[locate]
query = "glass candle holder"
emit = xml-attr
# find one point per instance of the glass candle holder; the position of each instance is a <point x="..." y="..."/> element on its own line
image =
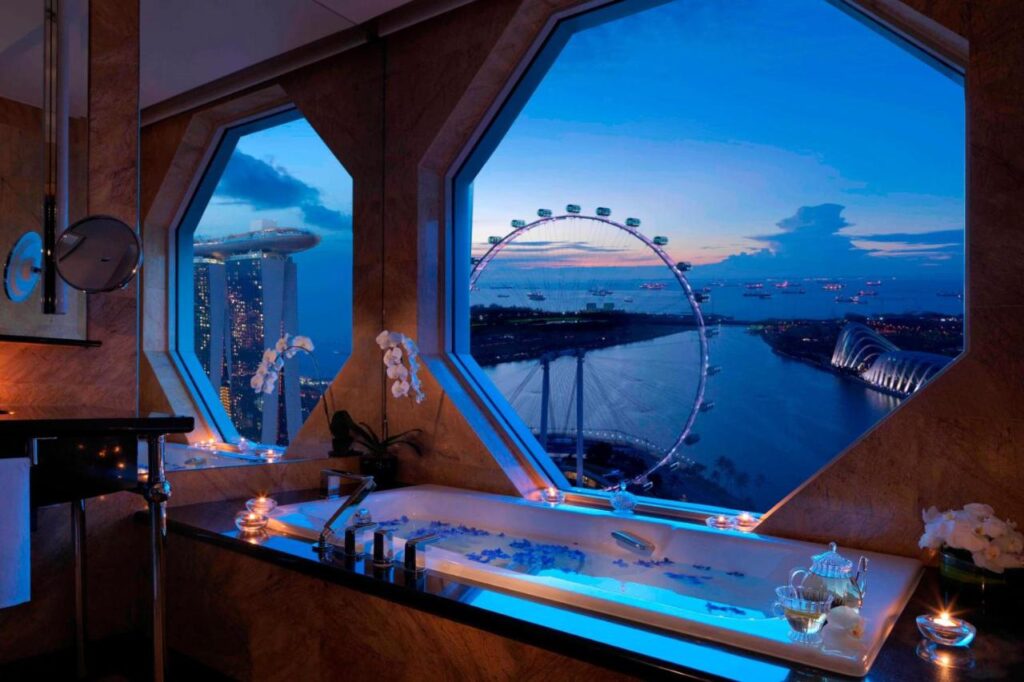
<point x="721" y="522"/>
<point x="746" y="522"/>
<point x="250" y="522"/>
<point x="261" y="505"/>
<point x="552" y="496"/>
<point x="270" y="455"/>
<point x="946" y="630"/>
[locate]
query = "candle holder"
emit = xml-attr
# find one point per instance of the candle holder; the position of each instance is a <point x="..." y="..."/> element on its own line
<point x="262" y="505"/>
<point x="721" y="522"/>
<point x="250" y="522"/>
<point x="552" y="496"/>
<point x="946" y="630"/>
<point x="746" y="522"/>
<point x="270" y="455"/>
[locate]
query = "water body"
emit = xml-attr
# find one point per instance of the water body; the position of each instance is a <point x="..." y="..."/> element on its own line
<point x="780" y="418"/>
<point x="891" y="296"/>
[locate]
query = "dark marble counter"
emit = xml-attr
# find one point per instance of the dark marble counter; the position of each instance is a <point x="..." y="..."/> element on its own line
<point x="44" y="422"/>
<point x="998" y="651"/>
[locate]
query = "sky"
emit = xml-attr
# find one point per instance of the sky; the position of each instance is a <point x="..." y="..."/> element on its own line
<point x="763" y="138"/>
<point x="287" y="174"/>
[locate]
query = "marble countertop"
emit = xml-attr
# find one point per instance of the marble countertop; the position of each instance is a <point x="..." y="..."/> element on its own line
<point x="998" y="651"/>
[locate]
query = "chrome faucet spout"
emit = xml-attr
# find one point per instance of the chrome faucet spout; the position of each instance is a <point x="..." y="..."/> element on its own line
<point x="366" y="486"/>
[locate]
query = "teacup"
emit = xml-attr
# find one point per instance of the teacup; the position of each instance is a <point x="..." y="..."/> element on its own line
<point x="804" y="609"/>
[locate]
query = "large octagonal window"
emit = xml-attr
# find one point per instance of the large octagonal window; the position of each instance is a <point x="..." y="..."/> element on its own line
<point x="265" y="251"/>
<point x="705" y="246"/>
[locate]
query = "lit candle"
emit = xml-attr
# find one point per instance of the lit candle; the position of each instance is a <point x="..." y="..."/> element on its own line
<point x="721" y="522"/>
<point x="250" y="521"/>
<point x="143" y="473"/>
<point x="552" y="495"/>
<point x="261" y="504"/>
<point x="746" y="522"/>
<point x="946" y="629"/>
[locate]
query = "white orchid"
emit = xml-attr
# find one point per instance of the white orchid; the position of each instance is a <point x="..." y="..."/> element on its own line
<point x="994" y="544"/>
<point x="405" y="379"/>
<point x="264" y="379"/>
<point x="847" y="619"/>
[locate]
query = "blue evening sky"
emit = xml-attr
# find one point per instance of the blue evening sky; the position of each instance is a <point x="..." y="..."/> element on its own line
<point x="713" y="121"/>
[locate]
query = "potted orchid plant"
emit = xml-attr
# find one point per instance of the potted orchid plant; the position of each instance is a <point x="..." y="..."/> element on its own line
<point x="981" y="554"/>
<point x="377" y="451"/>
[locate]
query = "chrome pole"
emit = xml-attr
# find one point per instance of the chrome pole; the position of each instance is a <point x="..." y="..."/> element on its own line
<point x="158" y="491"/>
<point x="78" y="549"/>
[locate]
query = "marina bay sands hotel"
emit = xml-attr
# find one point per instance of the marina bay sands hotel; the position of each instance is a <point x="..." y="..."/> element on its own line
<point x="246" y="297"/>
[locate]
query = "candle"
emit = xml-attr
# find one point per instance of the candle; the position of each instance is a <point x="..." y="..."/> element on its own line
<point x="946" y="629"/>
<point x="721" y="522"/>
<point x="552" y="495"/>
<point x="261" y="505"/>
<point x="248" y="521"/>
<point x="746" y="522"/>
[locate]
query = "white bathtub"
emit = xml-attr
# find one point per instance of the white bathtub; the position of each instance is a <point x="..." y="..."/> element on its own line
<point x="717" y="585"/>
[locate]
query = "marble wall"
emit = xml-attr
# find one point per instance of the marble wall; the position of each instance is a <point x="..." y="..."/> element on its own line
<point x="264" y="622"/>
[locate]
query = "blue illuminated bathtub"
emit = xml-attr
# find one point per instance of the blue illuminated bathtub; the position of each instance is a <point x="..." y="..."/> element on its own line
<point x="717" y="585"/>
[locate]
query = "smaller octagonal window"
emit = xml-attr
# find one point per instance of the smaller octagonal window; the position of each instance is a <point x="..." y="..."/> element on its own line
<point x="265" y="251"/>
<point x="706" y="246"/>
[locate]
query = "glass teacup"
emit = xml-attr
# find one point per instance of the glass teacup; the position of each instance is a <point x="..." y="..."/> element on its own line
<point x="804" y="609"/>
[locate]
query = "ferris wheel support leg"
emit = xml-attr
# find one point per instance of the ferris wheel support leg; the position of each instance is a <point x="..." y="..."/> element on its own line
<point x="579" y="419"/>
<point x="545" y="401"/>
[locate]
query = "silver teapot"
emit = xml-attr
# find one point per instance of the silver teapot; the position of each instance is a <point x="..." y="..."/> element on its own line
<point x="834" y="574"/>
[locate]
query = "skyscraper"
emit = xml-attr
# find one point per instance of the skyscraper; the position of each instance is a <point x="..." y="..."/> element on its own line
<point x="246" y="298"/>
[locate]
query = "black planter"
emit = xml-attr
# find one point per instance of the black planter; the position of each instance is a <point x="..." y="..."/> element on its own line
<point x="981" y="593"/>
<point x="384" y="469"/>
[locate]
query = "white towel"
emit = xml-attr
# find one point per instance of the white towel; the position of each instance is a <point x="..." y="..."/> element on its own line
<point x="15" y="565"/>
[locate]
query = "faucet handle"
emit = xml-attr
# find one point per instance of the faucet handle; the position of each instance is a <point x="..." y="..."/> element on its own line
<point x="383" y="547"/>
<point x="352" y="546"/>
<point x="412" y="551"/>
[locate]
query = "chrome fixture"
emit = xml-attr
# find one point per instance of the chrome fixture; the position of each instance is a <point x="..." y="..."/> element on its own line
<point x="383" y="548"/>
<point x="411" y="551"/>
<point x="633" y="542"/>
<point x="366" y="486"/>
<point x="352" y="547"/>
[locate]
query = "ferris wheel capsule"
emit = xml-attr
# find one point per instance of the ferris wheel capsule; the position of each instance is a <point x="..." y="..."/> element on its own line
<point x="700" y="298"/>
<point x="682" y="266"/>
<point x="544" y="212"/>
<point x="518" y="224"/>
<point x="603" y="212"/>
<point x="494" y="239"/>
<point x="660" y="241"/>
<point x="573" y="208"/>
<point x="632" y="222"/>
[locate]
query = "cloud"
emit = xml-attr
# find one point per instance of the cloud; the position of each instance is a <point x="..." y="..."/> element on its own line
<point x="812" y="242"/>
<point x="257" y="183"/>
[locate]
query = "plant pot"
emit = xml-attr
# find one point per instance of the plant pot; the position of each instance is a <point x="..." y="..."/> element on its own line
<point x="383" y="468"/>
<point x="986" y="594"/>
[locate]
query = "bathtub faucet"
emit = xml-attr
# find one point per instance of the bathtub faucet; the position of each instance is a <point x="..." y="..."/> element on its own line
<point x="366" y="486"/>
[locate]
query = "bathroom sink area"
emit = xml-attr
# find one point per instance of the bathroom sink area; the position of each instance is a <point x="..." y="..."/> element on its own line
<point x="682" y="578"/>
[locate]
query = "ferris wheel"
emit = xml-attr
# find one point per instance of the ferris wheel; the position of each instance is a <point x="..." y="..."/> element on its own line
<point x="594" y="352"/>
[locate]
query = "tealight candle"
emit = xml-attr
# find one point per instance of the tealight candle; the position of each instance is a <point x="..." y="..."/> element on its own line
<point x="946" y="629"/>
<point x="721" y="522"/>
<point x="270" y="455"/>
<point x="250" y="522"/>
<point x="143" y="473"/>
<point x="261" y="505"/>
<point x="552" y="495"/>
<point x="746" y="522"/>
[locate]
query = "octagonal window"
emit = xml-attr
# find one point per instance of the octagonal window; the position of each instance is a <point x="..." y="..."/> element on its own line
<point x="265" y="251"/>
<point x="704" y="247"/>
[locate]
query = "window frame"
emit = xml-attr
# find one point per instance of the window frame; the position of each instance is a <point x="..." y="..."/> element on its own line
<point x="503" y="112"/>
<point x="183" y="350"/>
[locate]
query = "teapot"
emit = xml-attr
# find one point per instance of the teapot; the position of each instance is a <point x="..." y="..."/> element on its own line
<point x="832" y="573"/>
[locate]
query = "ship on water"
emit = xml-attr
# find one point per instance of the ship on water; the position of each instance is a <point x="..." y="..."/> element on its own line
<point x="653" y="286"/>
<point x="536" y="296"/>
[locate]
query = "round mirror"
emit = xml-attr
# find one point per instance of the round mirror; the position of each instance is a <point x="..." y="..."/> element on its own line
<point x="24" y="264"/>
<point x="98" y="253"/>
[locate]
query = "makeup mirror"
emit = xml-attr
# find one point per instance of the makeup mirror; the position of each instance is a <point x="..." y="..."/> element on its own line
<point x="97" y="254"/>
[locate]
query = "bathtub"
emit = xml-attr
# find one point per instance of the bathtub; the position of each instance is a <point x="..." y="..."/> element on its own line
<point x="716" y="585"/>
